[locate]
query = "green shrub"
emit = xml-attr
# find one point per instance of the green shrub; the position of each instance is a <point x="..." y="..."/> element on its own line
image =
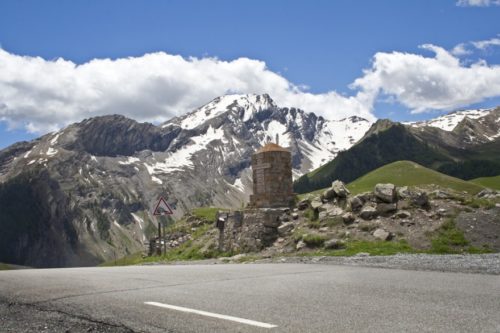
<point x="311" y="214"/>
<point x="314" y="240"/>
<point x="449" y="239"/>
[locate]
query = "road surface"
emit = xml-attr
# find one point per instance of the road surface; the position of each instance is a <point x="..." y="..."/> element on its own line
<point x="247" y="298"/>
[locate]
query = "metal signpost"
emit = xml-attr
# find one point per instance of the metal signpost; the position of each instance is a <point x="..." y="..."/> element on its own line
<point x="162" y="208"/>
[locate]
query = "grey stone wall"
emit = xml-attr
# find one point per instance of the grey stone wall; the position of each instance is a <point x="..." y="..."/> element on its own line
<point x="250" y="230"/>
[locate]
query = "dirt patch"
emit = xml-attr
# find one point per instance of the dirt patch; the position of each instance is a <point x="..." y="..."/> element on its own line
<point x="481" y="228"/>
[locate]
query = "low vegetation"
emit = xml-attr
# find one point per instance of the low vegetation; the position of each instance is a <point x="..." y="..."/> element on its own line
<point x="5" y="267"/>
<point x="407" y="173"/>
<point x="451" y="240"/>
<point x="489" y="182"/>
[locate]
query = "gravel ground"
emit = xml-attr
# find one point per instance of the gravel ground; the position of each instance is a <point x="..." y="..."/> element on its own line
<point x="470" y="263"/>
<point x="466" y="263"/>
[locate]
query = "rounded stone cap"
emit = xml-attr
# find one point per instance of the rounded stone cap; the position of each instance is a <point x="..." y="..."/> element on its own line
<point x="271" y="147"/>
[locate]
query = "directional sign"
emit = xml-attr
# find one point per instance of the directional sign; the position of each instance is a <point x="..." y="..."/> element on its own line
<point x="162" y="208"/>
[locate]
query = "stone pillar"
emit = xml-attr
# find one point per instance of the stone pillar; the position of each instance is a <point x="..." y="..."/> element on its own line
<point x="272" y="177"/>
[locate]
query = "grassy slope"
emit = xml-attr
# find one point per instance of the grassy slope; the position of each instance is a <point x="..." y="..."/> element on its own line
<point x="407" y="173"/>
<point x="490" y="182"/>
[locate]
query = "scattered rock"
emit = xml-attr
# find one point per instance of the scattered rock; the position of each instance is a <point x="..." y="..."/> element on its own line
<point x="329" y="194"/>
<point x="368" y="213"/>
<point x="404" y="204"/>
<point x="334" y="244"/>
<point x="295" y="216"/>
<point x="442" y="211"/>
<point x="300" y="245"/>
<point x="303" y="204"/>
<point x="362" y="254"/>
<point x="382" y="234"/>
<point x="285" y="228"/>
<point x="403" y="214"/>
<point x="420" y="199"/>
<point x="403" y="192"/>
<point x="285" y="218"/>
<point x="340" y="190"/>
<point x="385" y="192"/>
<point x="316" y="203"/>
<point x="385" y="208"/>
<point x="348" y="218"/>
<point x="440" y="194"/>
<point x="356" y="203"/>
<point x="238" y="257"/>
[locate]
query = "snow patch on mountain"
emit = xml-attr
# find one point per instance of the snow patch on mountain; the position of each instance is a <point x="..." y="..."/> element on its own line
<point x="339" y="135"/>
<point x="450" y="121"/>
<point x="249" y="104"/>
<point x="182" y="158"/>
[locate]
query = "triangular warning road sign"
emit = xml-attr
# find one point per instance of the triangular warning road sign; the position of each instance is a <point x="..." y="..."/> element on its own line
<point x="162" y="208"/>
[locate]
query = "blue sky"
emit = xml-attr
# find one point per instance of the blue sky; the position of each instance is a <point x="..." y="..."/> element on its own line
<point x="318" y="47"/>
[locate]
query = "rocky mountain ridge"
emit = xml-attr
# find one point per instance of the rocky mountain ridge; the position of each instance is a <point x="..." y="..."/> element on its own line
<point x="108" y="172"/>
<point x="468" y="150"/>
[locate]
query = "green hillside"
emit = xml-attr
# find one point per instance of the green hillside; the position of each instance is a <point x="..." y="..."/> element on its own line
<point x="385" y="144"/>
<point x="407" y="173"/>
<point x="490" y="182"/>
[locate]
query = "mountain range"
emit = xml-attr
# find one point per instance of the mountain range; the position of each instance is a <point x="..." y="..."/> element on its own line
<point x="464" y="144"/>
<point x="85" y="194"/>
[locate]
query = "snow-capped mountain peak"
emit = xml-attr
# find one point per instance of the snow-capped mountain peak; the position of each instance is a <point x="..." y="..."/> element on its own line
<point x="249" y="104"/>
<point x="449" y="121"/>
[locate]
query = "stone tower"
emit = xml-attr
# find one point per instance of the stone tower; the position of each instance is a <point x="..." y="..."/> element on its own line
<point x="272" y="177"/>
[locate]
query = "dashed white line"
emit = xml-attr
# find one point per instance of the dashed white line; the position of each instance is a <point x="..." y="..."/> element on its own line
<point x="213" y="315"/>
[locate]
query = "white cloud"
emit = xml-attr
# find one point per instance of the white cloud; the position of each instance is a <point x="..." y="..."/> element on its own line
<point x="429" y="83"/>
<point x="478" y="3"/>
<point x="43" y="95"/>
<point x="460" y="50"/>
<point x="484" y="44"/>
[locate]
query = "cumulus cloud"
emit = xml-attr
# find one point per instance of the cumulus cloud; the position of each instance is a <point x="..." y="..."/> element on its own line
<point x="478" y="3"/>
<point x="43" y="95"/>
<point x="429" y="83"/>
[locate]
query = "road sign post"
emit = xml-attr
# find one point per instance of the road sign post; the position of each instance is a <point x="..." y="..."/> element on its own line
<point x="162" y="208"/>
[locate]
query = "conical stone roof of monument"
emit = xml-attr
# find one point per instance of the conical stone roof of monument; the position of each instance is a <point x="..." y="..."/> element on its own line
<point x="271" y="147"/>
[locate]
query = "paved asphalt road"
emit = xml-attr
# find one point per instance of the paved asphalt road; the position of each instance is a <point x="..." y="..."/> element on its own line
<point x="292" y="297"/>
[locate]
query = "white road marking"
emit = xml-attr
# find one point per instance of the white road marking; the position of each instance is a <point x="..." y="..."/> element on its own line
<point x="211" y="314"/>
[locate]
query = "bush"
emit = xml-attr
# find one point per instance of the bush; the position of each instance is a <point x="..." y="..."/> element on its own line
<point x="314" y="240"/>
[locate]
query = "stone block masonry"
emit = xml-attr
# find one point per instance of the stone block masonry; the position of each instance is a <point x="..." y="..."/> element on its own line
<point x="272" y="177"/>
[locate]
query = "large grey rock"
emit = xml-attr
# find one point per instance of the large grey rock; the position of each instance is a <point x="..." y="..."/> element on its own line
<point x="403" y="192"/>
<point x="356" y="203"/>
<point x="368" y="213"/>
<point x="340" y="190"/>
<point x="385" y="192"/>
<point x="329" y="194"/>
<point x="420" y="199"/>
<point x="386" y="208"/>
<point x="382" y="234"/>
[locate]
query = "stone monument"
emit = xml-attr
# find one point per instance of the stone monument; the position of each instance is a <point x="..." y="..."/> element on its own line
<point x="272" y="177"/>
